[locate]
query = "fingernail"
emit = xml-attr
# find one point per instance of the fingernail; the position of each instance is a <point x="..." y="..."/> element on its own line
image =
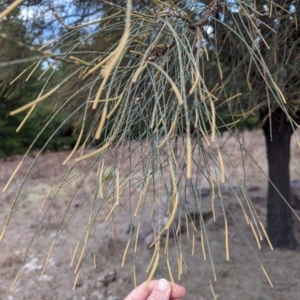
<point x="163" y="285"/>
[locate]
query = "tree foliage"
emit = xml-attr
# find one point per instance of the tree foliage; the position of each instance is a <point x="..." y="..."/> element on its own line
<point x="15" y="93"/>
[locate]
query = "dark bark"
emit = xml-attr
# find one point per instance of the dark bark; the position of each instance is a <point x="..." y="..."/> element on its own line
<point x="279" y="216"/>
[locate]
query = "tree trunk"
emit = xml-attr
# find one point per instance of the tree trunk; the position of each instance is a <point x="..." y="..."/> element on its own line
<point x="279" y="216"/>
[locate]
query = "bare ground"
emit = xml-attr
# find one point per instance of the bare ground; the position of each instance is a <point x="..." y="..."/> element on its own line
<point x="239" y="278"/>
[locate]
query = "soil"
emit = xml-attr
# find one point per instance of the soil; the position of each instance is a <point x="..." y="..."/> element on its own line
<point x="101" y="275"/>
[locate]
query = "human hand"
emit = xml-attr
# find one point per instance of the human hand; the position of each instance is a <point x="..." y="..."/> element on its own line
<point x="157" y="290"/>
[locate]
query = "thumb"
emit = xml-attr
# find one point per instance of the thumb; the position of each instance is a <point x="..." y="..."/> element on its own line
<point x="162" y="291"/>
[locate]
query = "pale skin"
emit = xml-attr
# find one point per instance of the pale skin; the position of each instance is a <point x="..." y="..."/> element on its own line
<point x="157" y="290"/>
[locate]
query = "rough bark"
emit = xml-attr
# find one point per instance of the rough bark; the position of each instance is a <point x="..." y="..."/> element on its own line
<point x="279" y="215"/>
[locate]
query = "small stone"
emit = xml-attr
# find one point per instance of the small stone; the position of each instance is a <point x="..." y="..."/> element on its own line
<point x="225" y="189"/>
<point x="219" y="223"/>
<point x="149" y="238"/>
<point x="204" y="192"/>
<point x="175" y="224"/>
<point x="195" y="215"/>
<point x="234" y="207"/>
<point x="130" y="228"/>
<point x="113" y="298"/>
<point x="106" y="279"/>
<point x="96" y="295"/>
<point x="66" y="147"/>
<point x="32" y="265"/>
<point x="257" y="195"/>
<point x="258" y="200"/>
<point x="254" y="189"/>
<point x="47" y="278"/>
<point x="79" y="283"/>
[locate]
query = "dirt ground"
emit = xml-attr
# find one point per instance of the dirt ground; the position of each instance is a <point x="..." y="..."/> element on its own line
<point x="101" y="274"/>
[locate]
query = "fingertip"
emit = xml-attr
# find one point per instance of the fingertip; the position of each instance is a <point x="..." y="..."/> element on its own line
<point x="163" y="285"/>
